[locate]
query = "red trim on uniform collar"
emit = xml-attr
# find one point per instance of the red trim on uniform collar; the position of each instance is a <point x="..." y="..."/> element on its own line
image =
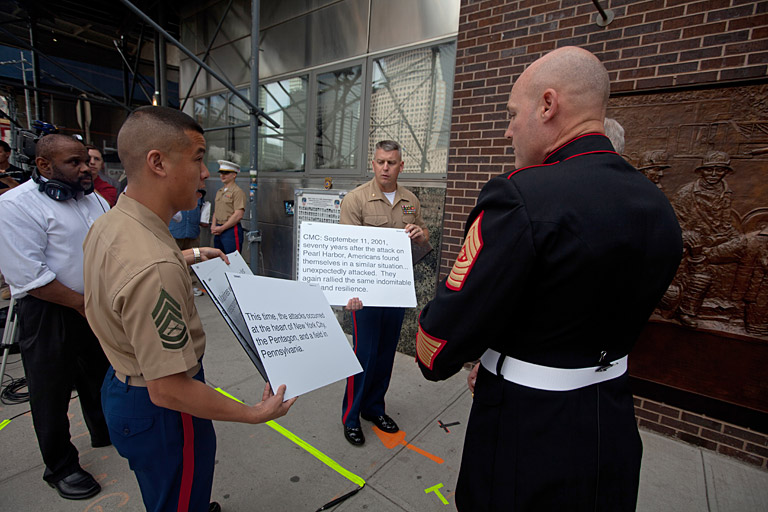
<point x="592" y="153"/>
<point x="573" y="140"/>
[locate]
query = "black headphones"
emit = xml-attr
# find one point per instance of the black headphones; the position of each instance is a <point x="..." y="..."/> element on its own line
<point x="55" y="189"/>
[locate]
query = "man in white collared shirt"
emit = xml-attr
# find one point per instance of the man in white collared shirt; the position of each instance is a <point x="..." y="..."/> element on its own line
<point x="43" y="223"/>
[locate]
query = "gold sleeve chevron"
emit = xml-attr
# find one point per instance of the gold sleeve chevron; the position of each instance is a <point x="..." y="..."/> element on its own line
<point x="469" y="251"/>
<point x="427" y="347"/>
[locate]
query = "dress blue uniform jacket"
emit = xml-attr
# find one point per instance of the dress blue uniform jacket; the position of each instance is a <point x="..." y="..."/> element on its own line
<point x="562" y="265"/>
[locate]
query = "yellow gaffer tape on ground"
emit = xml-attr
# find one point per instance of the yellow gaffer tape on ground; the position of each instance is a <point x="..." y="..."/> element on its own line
<point x="4" y="423"/>
<point x="308" y="447"/>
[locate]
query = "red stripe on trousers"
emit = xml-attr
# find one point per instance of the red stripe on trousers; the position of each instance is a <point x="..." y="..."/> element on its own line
<point x="351" y="379"/>
<point x="237" y="240"/>
<point x="188" y="462"/>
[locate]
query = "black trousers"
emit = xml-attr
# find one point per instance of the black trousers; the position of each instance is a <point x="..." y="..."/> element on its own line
<point x="59" y="351"/>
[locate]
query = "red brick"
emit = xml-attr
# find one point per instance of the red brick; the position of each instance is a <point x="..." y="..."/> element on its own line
<point x="677" y="46"/>
<point x="702" y="421"/>
<point x="664" y="14"/>
<point x="746" y="47"/>
<point x="696" y="78"/>
<point x="629" y="74"/>
<point x="687" y="21"/>
<point x="654" y="83"/>
<point x="640" y="51"/>
<point x="757" y="450"/>
<point x="575" y="21"/>
<point x="682" y="67"/>
<point x="722" y="439"/>
<point x="523" y="41"/>
<point x="708" y="5"/>
<point x="642" y="413"/>
<point x="758" y="58"/>
<point x="658" y="428"/>
<point x="544" y="8"/>
<point x="662" y="409"/>
<point x="680" y="425"/>
<point x="657" y="59"/>
<point x="730" y="13"/>
<point x="558" y="34"/>
<point x="702" y="53"/>
<point x="642" y="7"/>
<point x="748" y="435"/>
<point x="704" y="30"/>
<point x="742" y="73"/>
<point x="751" y="22"/>
<point x="729" y="37"/>
<point x="696" y="440"/>
<point x="661" y="37"/>
<point x="624" y="42"/>
<point x="722" y="62"/>
<point x="738" y="454"/>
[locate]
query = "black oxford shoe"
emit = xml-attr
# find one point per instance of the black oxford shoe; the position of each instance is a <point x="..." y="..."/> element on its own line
<point x="214" y="507"/>
<point x="80" y="485"/>
<point x="385" y="423"/>
<point x="354" y="435"/>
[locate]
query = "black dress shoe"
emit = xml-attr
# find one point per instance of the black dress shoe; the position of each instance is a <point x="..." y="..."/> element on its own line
<point x="80" y="485"/>
<point x="385" y="423"/>
<point x="354" y="435"/>
<point x="214" y="507"/>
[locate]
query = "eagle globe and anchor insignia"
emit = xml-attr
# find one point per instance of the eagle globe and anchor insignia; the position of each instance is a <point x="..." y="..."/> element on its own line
<point x="170" y="322"/>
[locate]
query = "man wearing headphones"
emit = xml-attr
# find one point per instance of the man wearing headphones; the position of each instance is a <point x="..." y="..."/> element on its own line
<point x="43" y="223"/>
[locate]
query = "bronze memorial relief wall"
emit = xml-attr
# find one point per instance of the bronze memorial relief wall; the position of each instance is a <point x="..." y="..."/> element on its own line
<point x="708" y="151"/>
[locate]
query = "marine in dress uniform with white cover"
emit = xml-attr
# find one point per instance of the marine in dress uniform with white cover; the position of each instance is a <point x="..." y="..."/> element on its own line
<point x="564" y="259"/>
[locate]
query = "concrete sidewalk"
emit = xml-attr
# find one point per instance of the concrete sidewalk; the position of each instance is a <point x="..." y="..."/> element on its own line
<point x="262" y="468"/>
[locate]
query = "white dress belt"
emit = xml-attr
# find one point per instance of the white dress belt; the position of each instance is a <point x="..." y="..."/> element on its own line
<point x="548" y="378"/>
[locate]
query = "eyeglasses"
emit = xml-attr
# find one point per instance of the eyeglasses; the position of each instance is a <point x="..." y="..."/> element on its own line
<point x="227" y="172"/>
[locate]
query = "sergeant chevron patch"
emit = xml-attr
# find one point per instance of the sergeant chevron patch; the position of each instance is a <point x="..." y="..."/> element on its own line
<point x="169" y="322"/>
<point x="427" y="347"/>
<point x="469" y="251"/>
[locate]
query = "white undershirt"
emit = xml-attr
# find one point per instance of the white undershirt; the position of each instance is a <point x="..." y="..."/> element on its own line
<point x="390" y="196"/>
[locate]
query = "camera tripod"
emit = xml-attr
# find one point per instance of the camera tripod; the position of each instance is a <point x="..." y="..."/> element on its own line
<point x="9" y="336"/>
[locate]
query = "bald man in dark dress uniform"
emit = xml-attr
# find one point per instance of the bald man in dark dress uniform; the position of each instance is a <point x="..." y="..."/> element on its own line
<point x="564" y="259"/>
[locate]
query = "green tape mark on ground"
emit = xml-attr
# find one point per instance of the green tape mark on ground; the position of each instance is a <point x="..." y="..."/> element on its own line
<point x="308" y="447"/>
<point x="4" y="423"/>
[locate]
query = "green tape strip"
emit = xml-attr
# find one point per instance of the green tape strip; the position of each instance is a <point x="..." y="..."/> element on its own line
<point x="308" y="447"/>
<point x="4" y="423"/>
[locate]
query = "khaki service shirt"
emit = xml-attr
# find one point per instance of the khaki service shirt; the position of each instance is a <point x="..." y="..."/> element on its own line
<point x="368" y="206"/>
<point x="228" y="201"/>
<point x="138" y="294"/>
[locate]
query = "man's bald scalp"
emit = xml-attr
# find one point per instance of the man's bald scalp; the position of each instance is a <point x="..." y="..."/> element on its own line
<point x="148" y="128"/>
<point x="47" y="146"/>
<point x="575" y="72"/>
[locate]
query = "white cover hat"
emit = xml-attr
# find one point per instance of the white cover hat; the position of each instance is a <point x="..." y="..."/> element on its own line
<point x="226" y="165"/>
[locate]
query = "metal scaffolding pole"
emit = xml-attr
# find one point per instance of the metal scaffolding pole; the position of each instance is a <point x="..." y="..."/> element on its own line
<point x="253" y="236"/>
<point x="254" y="109"/>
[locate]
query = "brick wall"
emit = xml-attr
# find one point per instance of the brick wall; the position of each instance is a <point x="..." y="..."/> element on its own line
<point x="744" y="444"/>
<point x="650" y="46"/>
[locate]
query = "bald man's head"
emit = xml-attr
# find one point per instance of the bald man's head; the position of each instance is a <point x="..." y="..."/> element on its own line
<point x="149" y="128"/>
<point x="575" y="73"/>
<point x="558" y="97"/>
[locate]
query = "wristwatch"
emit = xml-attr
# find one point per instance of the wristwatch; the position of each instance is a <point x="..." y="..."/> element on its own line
<point x="196" y="252"/>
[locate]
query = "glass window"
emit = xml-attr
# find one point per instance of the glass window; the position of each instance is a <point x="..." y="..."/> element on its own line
<point x="283" y="149"/>
<point x="411" y="100"/>
<point x="338" y="118"/>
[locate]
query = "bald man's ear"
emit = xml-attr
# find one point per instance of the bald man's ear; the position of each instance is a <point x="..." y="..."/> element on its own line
<point x="156" y="162"/>
<point x="549" y="104"/>
<point x="44" y="166"/>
